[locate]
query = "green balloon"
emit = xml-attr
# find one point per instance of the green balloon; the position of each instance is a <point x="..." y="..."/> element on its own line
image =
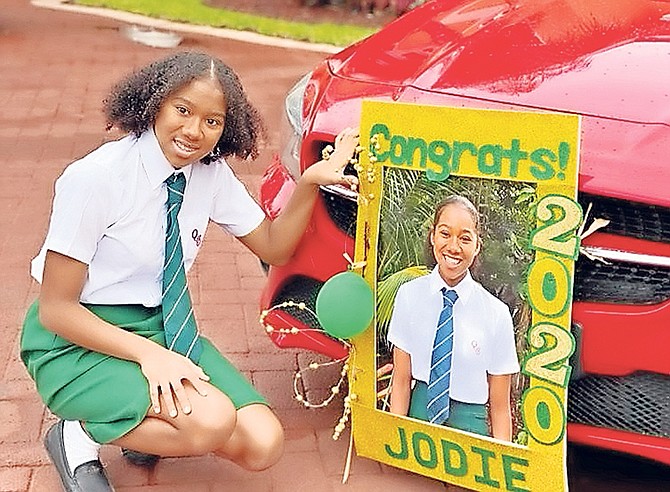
<point x="345" y="305"/>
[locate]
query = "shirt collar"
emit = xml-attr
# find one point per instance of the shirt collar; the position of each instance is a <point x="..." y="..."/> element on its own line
<point x="155" y="164"/>
<point x="463" y="288"/>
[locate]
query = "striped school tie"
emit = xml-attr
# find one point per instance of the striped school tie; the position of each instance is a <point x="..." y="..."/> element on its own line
<point x="181" y="332"/>
<point x="440" y="365"/>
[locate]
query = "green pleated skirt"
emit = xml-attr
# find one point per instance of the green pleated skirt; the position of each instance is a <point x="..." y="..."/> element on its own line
<point x="469" y="417"/>
<point x="110" y="395"/>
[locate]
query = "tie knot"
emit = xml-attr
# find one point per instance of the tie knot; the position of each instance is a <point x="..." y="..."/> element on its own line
<point x="175" y="186"/>
<point x="449" y="296"/>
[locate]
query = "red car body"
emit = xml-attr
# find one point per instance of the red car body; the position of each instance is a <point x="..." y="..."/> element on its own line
<point x="607" y="61"/>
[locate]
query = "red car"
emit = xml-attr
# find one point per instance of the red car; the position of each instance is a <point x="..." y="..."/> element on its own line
<point x="607" y="61"/>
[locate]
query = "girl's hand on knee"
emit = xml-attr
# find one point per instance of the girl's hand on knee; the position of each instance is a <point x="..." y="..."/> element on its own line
<point x="331" y="171"/>
<point x="165" y="372"/>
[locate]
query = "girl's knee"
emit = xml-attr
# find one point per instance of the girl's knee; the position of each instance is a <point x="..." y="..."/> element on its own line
<point x="264" y="450"/>
<point x="264" y="438"/>
<point x="210" y="424"/>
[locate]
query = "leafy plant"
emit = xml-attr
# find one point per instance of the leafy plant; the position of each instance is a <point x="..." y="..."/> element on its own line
<point x="386" y="292"/>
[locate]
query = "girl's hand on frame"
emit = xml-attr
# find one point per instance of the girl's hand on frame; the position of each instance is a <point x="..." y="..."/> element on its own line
<point x="166" y="372"/>
<point x="331" y="171"/>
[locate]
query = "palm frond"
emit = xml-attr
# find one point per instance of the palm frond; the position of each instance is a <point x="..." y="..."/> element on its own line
<point x="386" y="292"/>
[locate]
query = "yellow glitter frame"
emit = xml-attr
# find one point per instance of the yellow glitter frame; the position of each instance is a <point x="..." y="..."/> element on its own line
<point x="544" y="150"/>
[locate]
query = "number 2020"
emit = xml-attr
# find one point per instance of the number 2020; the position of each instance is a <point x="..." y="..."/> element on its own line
<point x="549" y="286"/>
<point x="549" y="289"/>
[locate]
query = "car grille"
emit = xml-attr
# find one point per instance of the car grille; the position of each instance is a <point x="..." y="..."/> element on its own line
<point x="637" y="403"/>
<point x="300" y="289"/>
<point x="618" y="282"/>
<point x="342" y="211"/>
<point x="625" y="283"/>
<point x="630" y="219"/>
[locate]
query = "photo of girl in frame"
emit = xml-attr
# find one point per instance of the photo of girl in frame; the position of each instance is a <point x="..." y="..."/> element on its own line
<point x="495" y="218"/>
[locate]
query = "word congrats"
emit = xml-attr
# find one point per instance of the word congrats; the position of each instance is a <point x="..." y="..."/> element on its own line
<point x="490" y="159"/>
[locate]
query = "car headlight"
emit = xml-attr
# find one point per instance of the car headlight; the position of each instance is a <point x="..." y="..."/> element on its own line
<point x="291" y="130"/>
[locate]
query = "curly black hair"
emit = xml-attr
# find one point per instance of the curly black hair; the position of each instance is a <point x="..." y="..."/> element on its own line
<point x="134" y="102"/>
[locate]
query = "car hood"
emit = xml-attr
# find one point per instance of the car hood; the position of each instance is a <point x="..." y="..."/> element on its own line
<point x="563" y="55"/>
<point x="608" y="61"/>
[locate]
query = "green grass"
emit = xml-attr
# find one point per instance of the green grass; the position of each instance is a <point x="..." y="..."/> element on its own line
<point x="195" y="12"/>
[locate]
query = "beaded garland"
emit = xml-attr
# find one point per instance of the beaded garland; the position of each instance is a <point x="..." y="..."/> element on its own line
<point x="336" y="388"/>
<point x="298" y="391"/>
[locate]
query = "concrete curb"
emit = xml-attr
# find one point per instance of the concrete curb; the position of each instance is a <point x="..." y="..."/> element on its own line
<point x="248" y="37"/>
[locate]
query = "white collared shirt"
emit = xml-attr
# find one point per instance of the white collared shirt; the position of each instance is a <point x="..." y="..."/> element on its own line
<point x="109" y="211"/>
<point x="483" y="333"/>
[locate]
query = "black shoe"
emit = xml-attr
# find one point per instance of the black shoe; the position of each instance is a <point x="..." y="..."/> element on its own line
<point x="140" y="459"/>
<point x="87" y="477"/>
